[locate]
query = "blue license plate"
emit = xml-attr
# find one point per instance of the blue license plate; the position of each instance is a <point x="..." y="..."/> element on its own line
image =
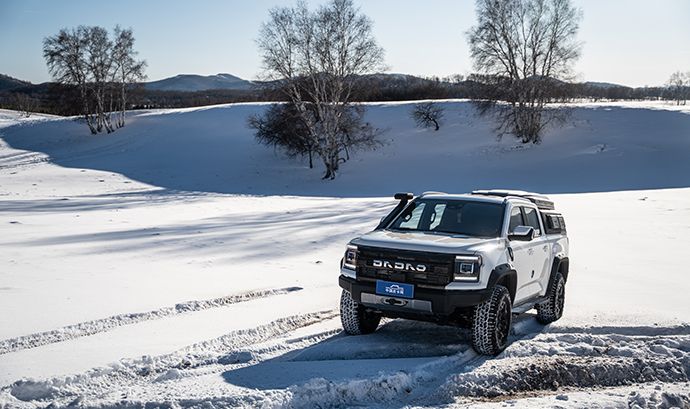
<point x="395" y="289"/>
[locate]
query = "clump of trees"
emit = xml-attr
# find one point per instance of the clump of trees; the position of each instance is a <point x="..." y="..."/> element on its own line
<point x="318" y="61"/>
<point x="428" y="115"/>
<point x="524" y="49"/>
<point x="409" y="88"/>
<point x="95" y="72"/>
<point x="678" y="86"/>
<point x="25" y="104"/>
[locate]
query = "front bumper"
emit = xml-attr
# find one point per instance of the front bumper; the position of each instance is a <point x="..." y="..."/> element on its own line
<point x="426" y="300"/>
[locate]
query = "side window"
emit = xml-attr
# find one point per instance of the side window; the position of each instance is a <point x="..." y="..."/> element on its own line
<point x="515" y="219"/>
<point x="561" y="221"/>
<point x="436" y="215"/>
<point x="553" y="223"/>
<point x="533" y="220"/>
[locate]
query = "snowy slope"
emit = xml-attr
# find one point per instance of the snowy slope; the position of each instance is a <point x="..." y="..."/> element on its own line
<point x="176" y="262"/>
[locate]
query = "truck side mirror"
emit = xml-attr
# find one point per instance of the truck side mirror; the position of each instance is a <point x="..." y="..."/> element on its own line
<point x="522" y="233"/>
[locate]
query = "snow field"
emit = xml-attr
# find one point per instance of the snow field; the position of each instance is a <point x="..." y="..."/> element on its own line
<point x="175" y="263"/>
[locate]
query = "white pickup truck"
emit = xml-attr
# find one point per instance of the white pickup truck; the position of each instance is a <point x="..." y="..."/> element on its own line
<point x="466" y="260"/>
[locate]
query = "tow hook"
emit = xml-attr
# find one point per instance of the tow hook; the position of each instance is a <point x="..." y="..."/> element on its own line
<point x="394" y="302"/>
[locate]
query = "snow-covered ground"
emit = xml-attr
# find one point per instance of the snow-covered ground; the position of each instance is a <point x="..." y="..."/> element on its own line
<point x="176" y="263"/>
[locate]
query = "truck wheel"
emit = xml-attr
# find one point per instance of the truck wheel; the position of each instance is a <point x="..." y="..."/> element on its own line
<point x="491" y="323"/>
<point x="355" y="318"/>
<point x="551" y="310"/>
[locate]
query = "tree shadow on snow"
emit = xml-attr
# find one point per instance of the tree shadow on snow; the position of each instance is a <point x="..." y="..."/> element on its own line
<point x="211" y="150"/>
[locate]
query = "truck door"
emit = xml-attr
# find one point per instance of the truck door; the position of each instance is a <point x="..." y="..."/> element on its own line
<point x="542" y="252"/>
<point x="521" y="252"/>
<point x="529" y="257"/>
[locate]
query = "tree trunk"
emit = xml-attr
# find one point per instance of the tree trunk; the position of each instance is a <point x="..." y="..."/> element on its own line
<point x="330" y="172"/>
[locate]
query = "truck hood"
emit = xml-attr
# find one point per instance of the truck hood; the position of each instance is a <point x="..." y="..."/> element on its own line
<point x="425" y="241"/>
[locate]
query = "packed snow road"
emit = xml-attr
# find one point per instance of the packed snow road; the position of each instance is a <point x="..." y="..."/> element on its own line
<point x="155" y="267"/>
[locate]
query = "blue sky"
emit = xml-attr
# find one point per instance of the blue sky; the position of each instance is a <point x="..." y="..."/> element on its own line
<point x="627" y="42"/>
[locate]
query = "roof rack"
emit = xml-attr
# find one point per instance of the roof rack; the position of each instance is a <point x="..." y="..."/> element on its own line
<point x="538" y="199"/>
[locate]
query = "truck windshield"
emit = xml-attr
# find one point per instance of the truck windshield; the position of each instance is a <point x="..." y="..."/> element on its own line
<point x="467" y="218"/>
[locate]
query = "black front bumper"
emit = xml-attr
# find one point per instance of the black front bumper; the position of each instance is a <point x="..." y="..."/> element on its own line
<point x="443" y="302"/>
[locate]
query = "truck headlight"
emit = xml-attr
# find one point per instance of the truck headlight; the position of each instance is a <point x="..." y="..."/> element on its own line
<point x="467" y="268"/>
<point x="351" y="257"/>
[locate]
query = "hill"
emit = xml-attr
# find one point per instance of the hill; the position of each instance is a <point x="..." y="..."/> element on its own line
<point x="606" y="148"/>
<point x="7" y="82"/>
<point x="187" y="82"/>
<point x="602" y="84"/>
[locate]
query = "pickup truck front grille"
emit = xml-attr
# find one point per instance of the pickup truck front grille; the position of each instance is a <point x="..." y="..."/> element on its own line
<point x="410" y="267"/>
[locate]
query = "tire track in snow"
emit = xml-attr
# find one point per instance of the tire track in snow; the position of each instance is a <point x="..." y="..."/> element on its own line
<point x="208" y="356"/>
<point x="551" y="360"/>
<point x="102" y="325"/>
<point x="417" y="387"/>
<point x="165" y="381"/>
<point x="565" y="359"/>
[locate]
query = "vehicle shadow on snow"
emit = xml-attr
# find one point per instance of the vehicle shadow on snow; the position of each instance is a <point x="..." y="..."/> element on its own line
<point x="397" y="346"/>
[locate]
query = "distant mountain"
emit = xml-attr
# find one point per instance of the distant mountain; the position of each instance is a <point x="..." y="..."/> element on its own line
<point x="7" y="82"/>
<point x="603" y="84"/>
<point x="190" y="82"/>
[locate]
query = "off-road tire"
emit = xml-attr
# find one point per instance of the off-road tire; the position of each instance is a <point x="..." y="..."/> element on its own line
<point x="355" y="318"/>
<point x="491" y="323"/>
<point x="551" y="310"/>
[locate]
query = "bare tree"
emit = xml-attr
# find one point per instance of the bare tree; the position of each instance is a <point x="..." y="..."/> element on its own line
<point x="98" y="66"/>
<point x="64" y="54"/>
<point x="25" y="104"/>
<point x="679" y="87"/>
<point x="428" y="115"/>
<point x="87" y="59"/>
<point x="127" y="72"/>
<point x="524" y="48"/>
<point x="320" y="60"/>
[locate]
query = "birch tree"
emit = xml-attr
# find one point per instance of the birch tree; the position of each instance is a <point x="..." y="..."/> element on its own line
<point x="65" y="56"/>
<point x="127" y="71"/>
<point x="321" y="59"/>
<point x="99" y="63"/>
<point x="524" y="48"/>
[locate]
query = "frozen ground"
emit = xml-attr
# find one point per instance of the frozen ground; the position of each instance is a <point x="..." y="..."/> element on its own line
<point x="175" y="263"/>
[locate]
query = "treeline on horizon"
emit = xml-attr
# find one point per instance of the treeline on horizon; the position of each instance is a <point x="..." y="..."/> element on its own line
<point x="54" y="98"/>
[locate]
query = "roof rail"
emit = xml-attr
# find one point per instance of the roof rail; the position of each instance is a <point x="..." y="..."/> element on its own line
<point x="433" y="193"/>
<point x="542" y="202"/>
